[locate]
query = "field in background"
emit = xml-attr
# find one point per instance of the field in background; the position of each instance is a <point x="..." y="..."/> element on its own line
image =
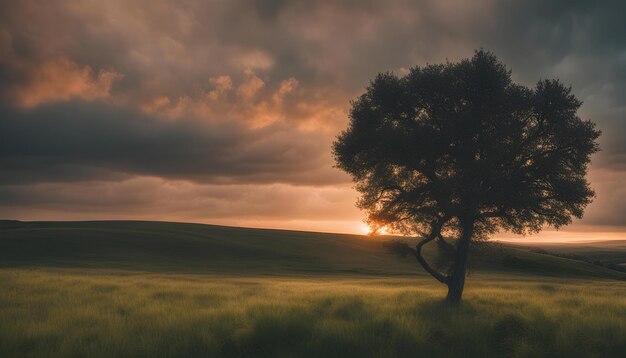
<point x="168" y="289"/>
<point x="609" y="253"/>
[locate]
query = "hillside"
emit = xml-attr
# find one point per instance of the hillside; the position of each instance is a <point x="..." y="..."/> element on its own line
<point x="608" y="252"/>
<point x="129" y="288"/>
<point x="183" y="247"/>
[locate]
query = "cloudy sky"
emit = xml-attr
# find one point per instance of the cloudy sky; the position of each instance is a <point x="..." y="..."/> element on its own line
<point x="224" y="111"/>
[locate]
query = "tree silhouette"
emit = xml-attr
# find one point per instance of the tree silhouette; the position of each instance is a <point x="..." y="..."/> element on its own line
<point x="459" y="149"/>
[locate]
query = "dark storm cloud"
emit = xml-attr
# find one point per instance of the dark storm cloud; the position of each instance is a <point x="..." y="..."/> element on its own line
<point x="169" y="46"/>
<point x="581" y="42"/>
<point x="253" y="92"/>
<point x="75" y="141"/>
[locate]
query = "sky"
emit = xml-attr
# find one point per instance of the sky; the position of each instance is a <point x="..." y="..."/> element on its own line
<point x="224" y="112"/>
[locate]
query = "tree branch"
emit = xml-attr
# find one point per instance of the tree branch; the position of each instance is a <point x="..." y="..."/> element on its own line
<point x="491" y="214"/>
<point x="435" y="232"/>
<point x="540" y="212"/>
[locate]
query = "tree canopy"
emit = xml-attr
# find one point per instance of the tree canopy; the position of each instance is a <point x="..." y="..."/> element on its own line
<point x="459" y="148"/>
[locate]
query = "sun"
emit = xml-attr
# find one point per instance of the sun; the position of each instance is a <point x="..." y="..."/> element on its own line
<point x="364" y="229"/>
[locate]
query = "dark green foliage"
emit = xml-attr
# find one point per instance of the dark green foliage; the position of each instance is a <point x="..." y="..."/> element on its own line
<point x="460" y="148"/>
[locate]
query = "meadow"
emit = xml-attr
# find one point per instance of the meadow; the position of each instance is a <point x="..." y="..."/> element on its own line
<point x="117" y="300"/>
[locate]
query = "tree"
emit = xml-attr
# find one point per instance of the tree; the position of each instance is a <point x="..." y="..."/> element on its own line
<point x="459" y="149"/>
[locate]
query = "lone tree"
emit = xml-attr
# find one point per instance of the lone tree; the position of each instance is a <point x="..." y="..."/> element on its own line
<point x="459" y="149"/>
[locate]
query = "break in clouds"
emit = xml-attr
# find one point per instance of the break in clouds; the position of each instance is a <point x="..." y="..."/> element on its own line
<point x="224" y="113"/>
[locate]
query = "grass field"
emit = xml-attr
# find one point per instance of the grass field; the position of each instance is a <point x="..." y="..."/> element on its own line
<point x="608" y="252"/>
<point x="167" y="289"/>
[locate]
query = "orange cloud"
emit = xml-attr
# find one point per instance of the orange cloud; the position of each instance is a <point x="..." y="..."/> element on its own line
<point x="286" y="86"/>
<point x="251" y="87"/>
<point x="222" y="85"/>
<point x="61" y="80"/>
<point x="257" y="103"/>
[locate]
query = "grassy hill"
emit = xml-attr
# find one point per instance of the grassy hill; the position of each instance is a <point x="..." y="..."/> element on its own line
<point x="129" y="288"/>
<point x="183" y="247"/>
<point x="611" y="252"/>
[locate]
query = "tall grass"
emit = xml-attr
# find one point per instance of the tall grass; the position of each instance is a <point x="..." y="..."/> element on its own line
<point x="71" y="313"/>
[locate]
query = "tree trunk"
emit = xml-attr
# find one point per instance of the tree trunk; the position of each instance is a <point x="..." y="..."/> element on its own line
<point x="457" y="278"/>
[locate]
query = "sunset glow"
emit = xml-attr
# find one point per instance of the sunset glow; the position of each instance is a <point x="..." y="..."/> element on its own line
<point x="365" y="229"/>
<point x="220" y="113"/>
<point x="306" y="178"/>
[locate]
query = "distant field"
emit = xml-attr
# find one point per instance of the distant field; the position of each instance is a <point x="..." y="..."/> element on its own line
<point x="168" y="289"/>
<point x="610" y="252"/>
<point x="196" y="248"/>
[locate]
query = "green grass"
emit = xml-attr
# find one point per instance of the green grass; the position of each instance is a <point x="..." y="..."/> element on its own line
<point x="166" y="289"/>
<point x="68" y="313"/>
